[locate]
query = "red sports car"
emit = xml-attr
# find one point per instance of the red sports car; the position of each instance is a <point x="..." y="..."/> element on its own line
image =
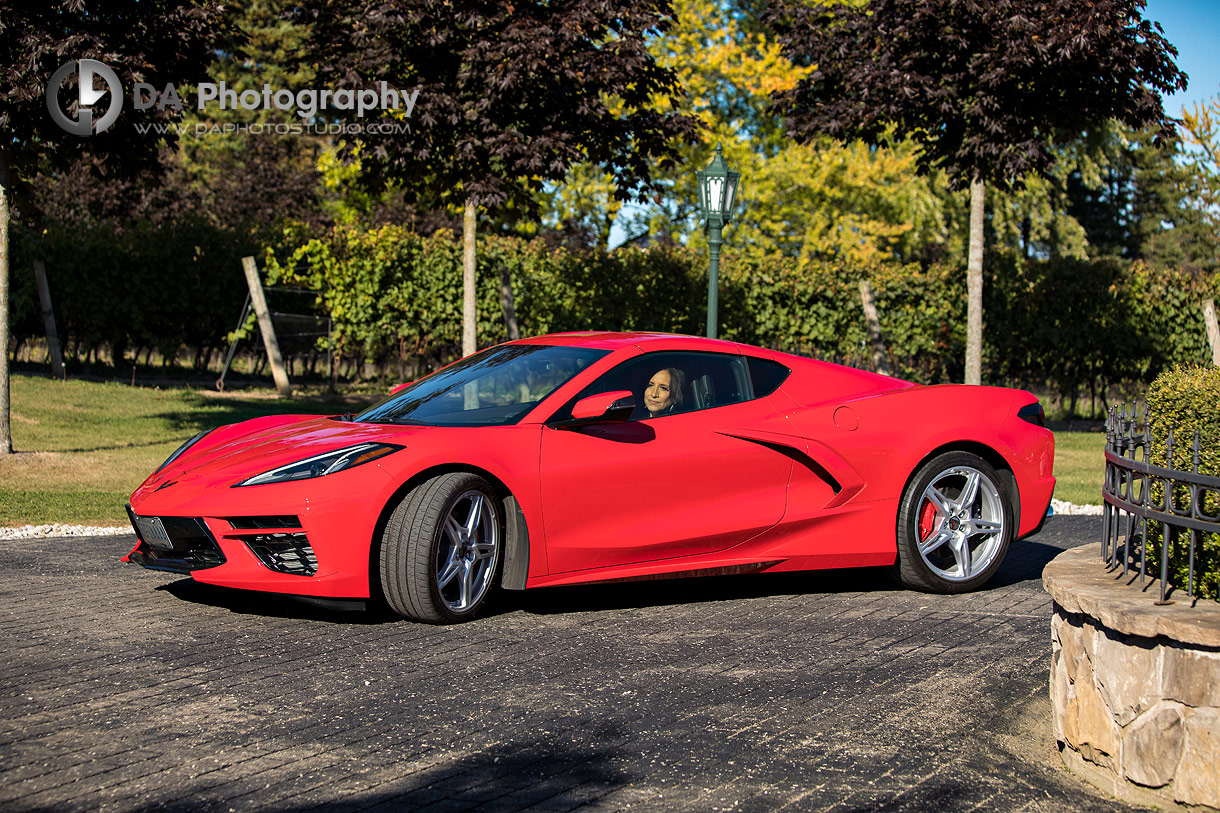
<point x="585" y="457"/>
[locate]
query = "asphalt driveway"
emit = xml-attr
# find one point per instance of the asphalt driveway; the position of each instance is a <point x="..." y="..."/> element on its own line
<point x="129" y="689"/>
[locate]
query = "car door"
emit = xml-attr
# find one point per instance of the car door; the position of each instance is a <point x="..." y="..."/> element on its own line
<point x="661" y="487"/>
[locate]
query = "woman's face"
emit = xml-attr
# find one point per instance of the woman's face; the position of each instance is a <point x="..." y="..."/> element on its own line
<point x="657" y="396"/>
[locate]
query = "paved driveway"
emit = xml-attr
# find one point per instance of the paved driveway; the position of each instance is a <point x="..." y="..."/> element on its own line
<point x="129" y="689"/>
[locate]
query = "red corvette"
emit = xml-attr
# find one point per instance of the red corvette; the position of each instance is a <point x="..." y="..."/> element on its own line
<point x="585" y="457"/>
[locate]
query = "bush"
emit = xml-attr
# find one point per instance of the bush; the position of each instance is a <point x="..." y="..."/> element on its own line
<point x="159" y="286"/>
<point x="1073" y="327"/>
<point x="1187" y="400"/>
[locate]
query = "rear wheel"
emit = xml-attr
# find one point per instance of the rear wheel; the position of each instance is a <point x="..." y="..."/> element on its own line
<point x="954" y="525"/>
<point x="441" y="550"/>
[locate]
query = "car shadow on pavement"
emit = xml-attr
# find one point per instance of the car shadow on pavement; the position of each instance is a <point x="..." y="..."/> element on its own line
<point x="274" y="605"/>
<point x="665" y="592"/>
<point x="1024" y="562"/>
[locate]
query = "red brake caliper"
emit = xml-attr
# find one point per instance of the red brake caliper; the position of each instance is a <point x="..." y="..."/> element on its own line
<point x="927" y="521"/>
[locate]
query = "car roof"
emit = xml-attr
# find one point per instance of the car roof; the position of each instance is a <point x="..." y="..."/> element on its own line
<point x="614" y="340"/>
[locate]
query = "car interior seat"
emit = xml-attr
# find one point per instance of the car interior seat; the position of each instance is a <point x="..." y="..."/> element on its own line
<point x="701" y="390"/>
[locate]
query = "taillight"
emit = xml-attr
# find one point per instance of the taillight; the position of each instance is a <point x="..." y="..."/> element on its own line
<point x="1032" y="413"/>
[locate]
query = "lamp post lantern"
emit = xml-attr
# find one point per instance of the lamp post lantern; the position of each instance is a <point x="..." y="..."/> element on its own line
<point x="717" y="188"/>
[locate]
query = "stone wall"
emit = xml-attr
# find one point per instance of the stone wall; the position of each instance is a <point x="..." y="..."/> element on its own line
<point x="1135" y="686"/>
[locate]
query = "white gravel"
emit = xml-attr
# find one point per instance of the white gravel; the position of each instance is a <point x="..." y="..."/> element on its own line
<point x="43" y="531"/>
<point x="1062" y="507"/>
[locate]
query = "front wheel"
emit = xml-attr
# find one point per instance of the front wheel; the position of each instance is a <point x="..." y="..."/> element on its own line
<point x="954" y="525"/>
<point x="441" y="550"/>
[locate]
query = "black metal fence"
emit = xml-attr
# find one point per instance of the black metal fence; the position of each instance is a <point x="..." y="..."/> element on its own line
<point x="1138" y="490"/>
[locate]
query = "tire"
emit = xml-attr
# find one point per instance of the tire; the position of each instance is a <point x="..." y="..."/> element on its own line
<point x="442" y="549"/>
<point x="955" y="523"/>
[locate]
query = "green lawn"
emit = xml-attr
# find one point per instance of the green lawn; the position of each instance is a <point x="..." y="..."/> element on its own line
<point x="1080" y="466"/>
<point x="84" y="446"/>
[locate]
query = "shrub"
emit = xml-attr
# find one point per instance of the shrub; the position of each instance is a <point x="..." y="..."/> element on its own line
<point x="1187" y="400"/>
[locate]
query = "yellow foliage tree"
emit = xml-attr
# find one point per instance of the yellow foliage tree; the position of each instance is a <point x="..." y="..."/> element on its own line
<point x="1201" y="130"/>
<point x="829" y="199"/>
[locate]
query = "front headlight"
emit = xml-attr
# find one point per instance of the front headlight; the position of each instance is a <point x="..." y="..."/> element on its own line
<point x="323" y="464"/>
<point x="179" y="451"/>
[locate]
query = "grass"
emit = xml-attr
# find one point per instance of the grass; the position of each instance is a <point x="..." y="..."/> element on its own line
<point x="1080" y="466"/>
<point x="84" y="446"/>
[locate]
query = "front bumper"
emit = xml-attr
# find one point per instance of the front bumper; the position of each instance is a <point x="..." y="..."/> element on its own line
<point x="300" y="539"/>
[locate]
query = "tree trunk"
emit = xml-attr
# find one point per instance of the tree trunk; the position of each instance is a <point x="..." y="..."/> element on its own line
<point x="469" y="315"/>
<point x="6" y="436"/>
<point x="470" y="394"/>
<point x="974" y="287"/>
<point x="506" y="303"/>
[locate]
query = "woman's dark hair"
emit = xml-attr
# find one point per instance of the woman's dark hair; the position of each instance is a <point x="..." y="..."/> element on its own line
<point x="677" y="387"/>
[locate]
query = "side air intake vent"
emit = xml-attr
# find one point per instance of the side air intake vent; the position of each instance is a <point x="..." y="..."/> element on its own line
<point x="285" y="553"/>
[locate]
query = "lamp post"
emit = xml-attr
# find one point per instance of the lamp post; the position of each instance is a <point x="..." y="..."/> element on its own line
<point x="717" y="188"/>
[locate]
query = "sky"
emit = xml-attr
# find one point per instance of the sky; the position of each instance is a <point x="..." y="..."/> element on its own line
<point x="1193" y="26"/>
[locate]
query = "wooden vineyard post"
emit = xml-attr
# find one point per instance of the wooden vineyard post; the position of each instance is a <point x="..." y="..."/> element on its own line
<point x="1213" y="330"/>
<point x="873" y="322"/>
<point x="48" y="320"/>
<point x="259" y="303"/>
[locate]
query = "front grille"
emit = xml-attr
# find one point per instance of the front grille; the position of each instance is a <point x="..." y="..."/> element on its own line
<point x="286" y="553"/>
<point x="192" y="546"/>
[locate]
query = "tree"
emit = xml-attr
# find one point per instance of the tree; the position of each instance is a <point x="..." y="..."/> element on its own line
<point x="823" y="199"/>
<point x="1201" y="128"/>
<point x="511" y="94"/>
<point x="1201" y="131"/>
<point x="250" y="181"/>
<point x="986" y="89"/>
<point x="1138" y="203"/>
<point x="155" y="42"/>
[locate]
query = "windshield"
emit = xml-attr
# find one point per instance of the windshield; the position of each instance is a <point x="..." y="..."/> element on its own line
<point x="495" y="387"/>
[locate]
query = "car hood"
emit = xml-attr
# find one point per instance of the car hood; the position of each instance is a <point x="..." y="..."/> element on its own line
<point x="236" y="452"/>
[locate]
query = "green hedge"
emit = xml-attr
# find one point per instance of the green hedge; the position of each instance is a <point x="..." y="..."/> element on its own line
<point x="1064" y="325"/>
<point x="161" y="286"/>
<point x="395" y="297"/>
<point x="1187" y="400"/>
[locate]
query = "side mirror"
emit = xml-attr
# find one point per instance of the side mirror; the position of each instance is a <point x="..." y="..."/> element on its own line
<point x="605" y="407"/>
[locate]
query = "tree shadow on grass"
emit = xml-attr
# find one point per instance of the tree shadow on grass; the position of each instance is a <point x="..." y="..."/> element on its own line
<point x="207" y="412"/>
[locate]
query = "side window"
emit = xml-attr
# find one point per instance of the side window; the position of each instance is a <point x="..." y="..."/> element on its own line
<point x="766" y="375"/>
<point x="672" y="383"/>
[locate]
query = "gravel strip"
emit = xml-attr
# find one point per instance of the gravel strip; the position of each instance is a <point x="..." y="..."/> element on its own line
<point x="43" y="531"/>
<point x="1062" y="507"/>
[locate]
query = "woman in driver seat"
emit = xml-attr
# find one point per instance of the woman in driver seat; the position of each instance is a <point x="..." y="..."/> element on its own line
<point x="664" y="393"/>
